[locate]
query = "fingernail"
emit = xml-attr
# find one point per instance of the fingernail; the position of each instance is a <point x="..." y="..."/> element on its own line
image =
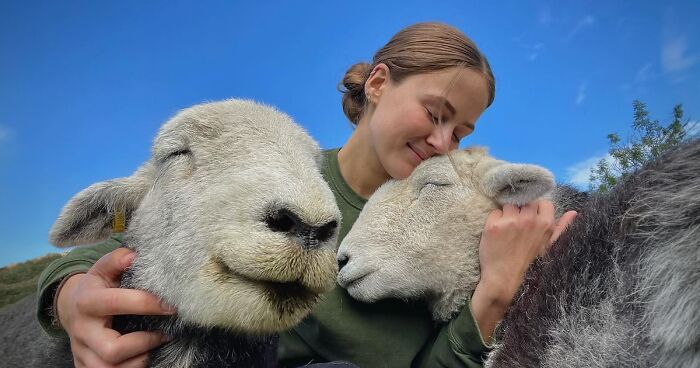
<point x="165" y="338"/>
<point x="167" y="308"/>
<point x="128" y="258"/>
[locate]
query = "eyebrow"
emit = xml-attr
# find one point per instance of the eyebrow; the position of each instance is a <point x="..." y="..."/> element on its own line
<point x="451" y="108"/>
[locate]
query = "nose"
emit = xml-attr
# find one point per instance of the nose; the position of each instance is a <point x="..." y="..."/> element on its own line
<point x="440" y="138"/>
<point x="342" y="260"/>
<point x="309" y="236"/>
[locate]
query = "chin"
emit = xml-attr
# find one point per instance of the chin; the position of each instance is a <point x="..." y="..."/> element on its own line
<point x="363" y="295"/>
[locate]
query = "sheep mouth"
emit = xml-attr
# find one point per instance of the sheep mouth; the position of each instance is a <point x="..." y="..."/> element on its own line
<point x="350" y="277"/>
<point x="286" y="296"/>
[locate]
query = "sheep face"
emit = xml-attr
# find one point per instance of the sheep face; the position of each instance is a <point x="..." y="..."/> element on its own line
<point x="232" y="222"/>
<point x="419" y="237"/>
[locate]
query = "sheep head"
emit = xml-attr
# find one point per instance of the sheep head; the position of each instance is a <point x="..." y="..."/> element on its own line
<point x="418" y="238"/>
<point x="231" y="219"/>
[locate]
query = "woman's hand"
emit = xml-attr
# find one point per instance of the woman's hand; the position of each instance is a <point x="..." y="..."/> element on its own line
<point x="86" y="304"/>
<point x="511" y="240"/>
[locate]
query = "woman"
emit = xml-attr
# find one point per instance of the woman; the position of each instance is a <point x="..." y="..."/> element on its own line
<point x="423" y="92"/>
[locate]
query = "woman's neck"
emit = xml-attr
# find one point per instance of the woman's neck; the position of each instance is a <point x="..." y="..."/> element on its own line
<point x="359" y="164"/>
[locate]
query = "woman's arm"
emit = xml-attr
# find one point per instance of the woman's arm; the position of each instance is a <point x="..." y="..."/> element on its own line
<point x="85" y="305"/>
<point x="511" y="240"/>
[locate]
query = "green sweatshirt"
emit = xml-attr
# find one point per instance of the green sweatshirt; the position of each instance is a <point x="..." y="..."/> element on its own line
<point x="389" y="333"/>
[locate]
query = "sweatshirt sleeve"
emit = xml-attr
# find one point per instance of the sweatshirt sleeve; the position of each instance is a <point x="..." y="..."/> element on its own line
<point x="457" y="343"/>
<point x="78" y="260"/>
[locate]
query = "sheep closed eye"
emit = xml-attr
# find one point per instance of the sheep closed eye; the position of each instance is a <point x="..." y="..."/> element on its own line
<point x="177" y="153"/>
<point x="431" y="185"/>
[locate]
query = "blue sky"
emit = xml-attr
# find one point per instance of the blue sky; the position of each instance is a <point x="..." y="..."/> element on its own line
<point x="84" y="85"/>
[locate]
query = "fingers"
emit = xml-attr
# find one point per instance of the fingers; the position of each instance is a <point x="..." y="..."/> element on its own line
<point x="110" y="267"/>
<point x="510" y="210"/>
<point x="140" y="361"/>
<point x="528" y="213"/>
<point x="545" y="209"/>
<point x="563" y="223"/>
<point x="111" y="302"/>
<point x="98" y="346"/>
<point x="119" y="349"/>
<point x="84" y="358"/>
<point x="93" y="305"/>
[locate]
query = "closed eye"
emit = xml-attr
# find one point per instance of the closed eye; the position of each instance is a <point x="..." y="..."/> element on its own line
<point x="177" y="153"/>
<point x="437" y="120"/>
<point x="434" y="184"/>
<point x="432" y="116"/>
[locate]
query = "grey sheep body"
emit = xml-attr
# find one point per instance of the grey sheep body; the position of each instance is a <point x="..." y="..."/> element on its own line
<point x="621" y="287"/>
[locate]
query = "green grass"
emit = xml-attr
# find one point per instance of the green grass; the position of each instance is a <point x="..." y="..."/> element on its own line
<point x="20" y="279"/>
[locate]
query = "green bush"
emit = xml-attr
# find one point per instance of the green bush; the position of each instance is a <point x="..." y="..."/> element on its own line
<point x="19" y="280"/>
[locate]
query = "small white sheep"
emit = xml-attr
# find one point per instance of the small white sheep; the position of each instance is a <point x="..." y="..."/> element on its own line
<point x="418" y="238"/>
<point x="233" y="225"/>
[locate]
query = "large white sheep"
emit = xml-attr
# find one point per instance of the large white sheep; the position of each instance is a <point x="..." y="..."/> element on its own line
<point x="620" y="288"/>
<point x="233" y="225"/>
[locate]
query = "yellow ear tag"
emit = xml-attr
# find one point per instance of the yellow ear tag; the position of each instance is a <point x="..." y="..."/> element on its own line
<point x="118" y="222"/>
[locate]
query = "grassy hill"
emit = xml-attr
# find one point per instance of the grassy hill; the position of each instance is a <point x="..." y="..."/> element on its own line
<point x="19" y="280"/>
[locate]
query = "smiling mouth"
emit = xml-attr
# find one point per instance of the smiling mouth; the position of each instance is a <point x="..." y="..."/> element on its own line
<point x="417" y="152"/>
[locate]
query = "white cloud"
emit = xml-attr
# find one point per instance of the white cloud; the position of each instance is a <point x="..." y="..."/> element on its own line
<point x="581" y="96"/>
<point x="533" y="50"/>
<point x="4" y="134"/>
<point x="544" y="17"/>
<point x="623" y="29"/>
<point x="584" y="22"/>
<point x="692" y="129"/>
<point x="674" y="58"/>
<point x="638" y="86"/>
<point x="579" y="174"/>
<point x="587" y="20"/>
<point x="643" y="74"/>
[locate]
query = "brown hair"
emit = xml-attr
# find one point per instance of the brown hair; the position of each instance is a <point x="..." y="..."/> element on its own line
<point x="419" y="48"/>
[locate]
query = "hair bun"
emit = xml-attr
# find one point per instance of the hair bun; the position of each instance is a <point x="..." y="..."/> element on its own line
<point x="353" y="89"/>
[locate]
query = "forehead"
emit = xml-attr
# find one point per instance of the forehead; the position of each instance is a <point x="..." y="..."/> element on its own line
<point x="235" y="127"/>
<point x="466" y="89"/>
<point x="451" y="81"/>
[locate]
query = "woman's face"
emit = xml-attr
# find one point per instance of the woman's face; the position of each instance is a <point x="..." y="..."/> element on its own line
<point x="403" y="117"/>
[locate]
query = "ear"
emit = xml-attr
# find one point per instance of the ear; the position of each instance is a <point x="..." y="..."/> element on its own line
<point x="378" y="78"/>
<point x="517" y="184"/>
<point x="87" y="217"/>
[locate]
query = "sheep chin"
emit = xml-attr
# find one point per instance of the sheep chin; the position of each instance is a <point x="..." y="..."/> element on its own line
<point x="248" y="309"/>
<point x="364" y="290"/>
<point x="232" y="301"/>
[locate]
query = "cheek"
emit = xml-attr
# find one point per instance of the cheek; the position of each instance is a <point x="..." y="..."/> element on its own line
<point x="403" y="120"/>
<point x="416" y="123"/>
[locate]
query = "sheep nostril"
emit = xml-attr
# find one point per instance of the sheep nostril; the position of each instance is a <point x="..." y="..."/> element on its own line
<point x="283" y="220"/>
<point x="326" y="231"/>
<point x="309" y="237"/>
<point x="342" y="261"/>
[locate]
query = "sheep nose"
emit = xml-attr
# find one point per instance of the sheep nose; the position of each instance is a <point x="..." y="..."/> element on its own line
<point x="286" y="221"/>
<point x="342" y="260"/>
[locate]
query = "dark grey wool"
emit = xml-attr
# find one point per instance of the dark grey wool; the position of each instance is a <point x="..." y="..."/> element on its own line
<point x="621" y="287"/>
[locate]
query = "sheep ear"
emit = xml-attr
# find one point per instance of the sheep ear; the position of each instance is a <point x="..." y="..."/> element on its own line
<point x="87" y="217"/>
<point x="517" y="184"/>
